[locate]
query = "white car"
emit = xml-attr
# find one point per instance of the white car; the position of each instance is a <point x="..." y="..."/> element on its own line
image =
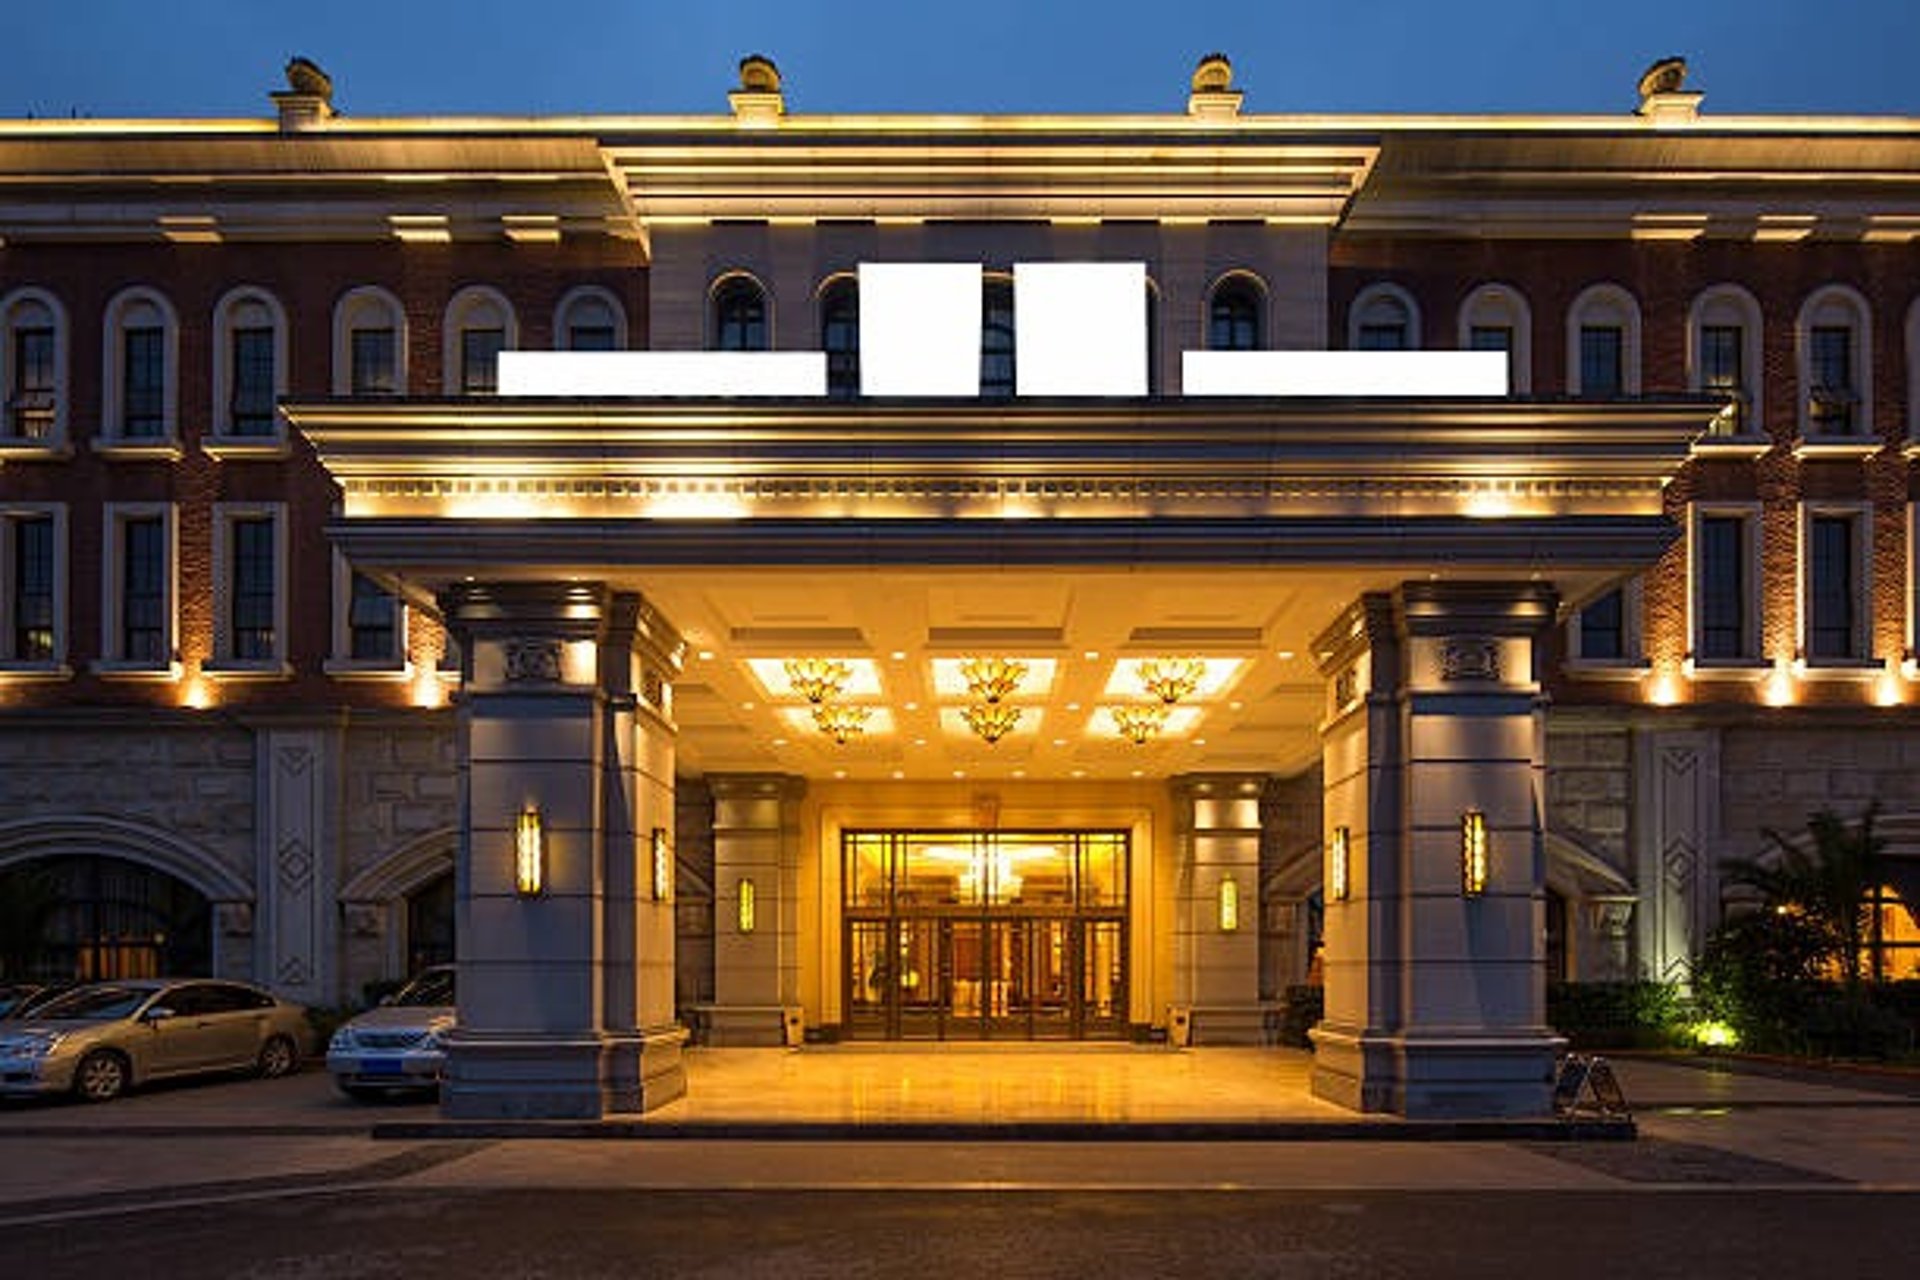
<point x="396" y="1046"/>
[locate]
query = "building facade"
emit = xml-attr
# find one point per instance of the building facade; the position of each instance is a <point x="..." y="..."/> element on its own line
<point x="995" y="715"/>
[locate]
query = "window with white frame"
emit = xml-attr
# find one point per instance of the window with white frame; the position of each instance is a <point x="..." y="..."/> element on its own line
<point x="249" y="364"/>
<point x="1495" y="317"/>
<point x="369" y="625"/>
<point x="369" y="344"/>
<point x="1384" y="317"/>
<point x="480" y="324"/>
<point x="1606" y="630"/>
<point x="139" y="368"/>
<point x="1723" y="563"/>
<point x="139" y="577"/>
<point x="1833" y="338"/>
<point x="840" y="336"/>
<point x="1236" y="313"/>
<point x="1836" y="583"/>
<point x="589" y="318"/>
<point x="1723" y="355"/>
<point x="739" y="320"/>
<point x="998" y="373"/>
<point x="33" y="551"/>
<point x="33" y="368"/>
<point x="1603" y="343"/>
<point x="250" y="577"/>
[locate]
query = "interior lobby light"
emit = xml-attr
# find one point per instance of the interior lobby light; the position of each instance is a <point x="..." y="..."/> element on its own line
<point x="1170" y="679"/>
<point x="817" y="679"/>
<point x="840" y="721"/>
<point x="1339" y="867"/>
<point x="992" y="720"/>
<point x="991" y="679"/>
<point x="1139" y="725"/>
<point x="1473" y="853"/>
<point x="529" y="854"/>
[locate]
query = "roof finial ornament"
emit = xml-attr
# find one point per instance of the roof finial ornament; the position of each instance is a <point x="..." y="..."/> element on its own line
<point x="307" y="101"/>
<point x="758" y="100"/>
<point x="1211" y="90"/>
<point x="1664" y="98"/>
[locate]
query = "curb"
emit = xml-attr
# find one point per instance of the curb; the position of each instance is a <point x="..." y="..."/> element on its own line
<point x="1583" y="1130"/>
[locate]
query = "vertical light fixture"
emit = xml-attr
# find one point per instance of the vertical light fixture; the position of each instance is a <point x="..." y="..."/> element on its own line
<point x="662" y="866"/>
<point x="1473" y="853"/>
<point x="1339" y="870"/>
<point x="743" y="912"/>
<point x="529" y="854"/>
<point x="1229" y="905"/>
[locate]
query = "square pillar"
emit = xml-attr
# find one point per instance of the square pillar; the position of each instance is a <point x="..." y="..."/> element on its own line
<point x="1217" y="939"/>
<point x="756" y="904"/>
<point x="566" y="988"/>
<point x="1435" y="983"/>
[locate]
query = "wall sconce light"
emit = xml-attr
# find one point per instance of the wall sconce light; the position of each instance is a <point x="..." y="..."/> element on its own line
<point x="1229" y="905"/>
<point x="662" y="866"/>
<point x="1473" y="853"/>
<point x="529" y="854"/>
<point x="743" y="917"/>
<point x="1339" y="871"/>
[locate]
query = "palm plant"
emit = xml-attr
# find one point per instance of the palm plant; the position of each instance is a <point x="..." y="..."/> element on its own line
<point x="1827" y="881"/>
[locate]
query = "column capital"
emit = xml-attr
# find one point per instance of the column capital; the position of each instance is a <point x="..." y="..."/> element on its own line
<point x="1480" y="608"/>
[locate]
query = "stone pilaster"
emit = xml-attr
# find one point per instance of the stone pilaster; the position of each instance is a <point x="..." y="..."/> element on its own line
<point x="1217" y="928"/>
<point x="1435" y="1001"/>
<point x="296" y="840"/>
<point x="1676" y="813"/>
<point x="566" y="996"/>
<point x="756" y="840"/>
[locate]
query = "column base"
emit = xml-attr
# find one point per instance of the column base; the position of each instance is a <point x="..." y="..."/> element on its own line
<point x="1230" y="1024"/>
<point x="504" y="1076"/>
<point x="751" y="1026"/>
<point x="1436" y="1077"/>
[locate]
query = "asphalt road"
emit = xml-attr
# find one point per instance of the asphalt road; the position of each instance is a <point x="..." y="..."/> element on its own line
<point x="577" y="1235"/>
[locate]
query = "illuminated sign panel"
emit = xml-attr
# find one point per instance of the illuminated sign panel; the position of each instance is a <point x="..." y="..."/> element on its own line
<point x="920" y="328"/>
<point x="1343" y="373"/>
<point x="1080" y="328"/>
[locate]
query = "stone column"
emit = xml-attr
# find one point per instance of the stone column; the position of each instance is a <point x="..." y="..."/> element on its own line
<point x="1676" y="813"/>
<point x="1435" y="995"/>
<point x="566" y="995"/>
<point x="756" y="840"/>
<point x="297" y="834"/>
<point x="1217" y="830"/>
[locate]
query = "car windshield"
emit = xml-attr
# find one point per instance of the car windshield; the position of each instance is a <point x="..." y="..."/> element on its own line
<point x="12" y="998"/>
<point x="434" y="987"/>
<point x="95" y="1004"/>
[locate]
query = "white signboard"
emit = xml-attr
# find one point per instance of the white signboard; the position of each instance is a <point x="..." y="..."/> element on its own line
<point x="920" y="328"/>
<point x="1080" y="328"/>
<point x="589" y="374"/>
<point x="1343" y="373"/>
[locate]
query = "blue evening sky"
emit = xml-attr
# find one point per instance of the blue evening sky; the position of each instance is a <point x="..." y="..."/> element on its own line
<point x="220" y="57"/>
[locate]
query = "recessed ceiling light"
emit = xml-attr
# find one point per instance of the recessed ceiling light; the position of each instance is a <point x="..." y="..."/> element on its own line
<point x="959" y="773"/>
<point x="1199" y="742"/>
<point x="898" y="655"/>
<point x="1019" y="773"/>
<point x="911" y="706"/>
<point x="1139" y="773"/>
<point x="706" y="655"/>
<point x="1091" y="655"/>
<point x="1059" y="742"/>
<point x="1079" y="773"/>
<point x="746" y="706"/>
<point x="1073" y="706"/>
<point x="839" y="773"/>
<point x="919" y="742"/>
<point x="899" y="774"/>
<point x="1235" y="706"/>
<point x="779" y="742"/>
<point x="1285" y="655"/>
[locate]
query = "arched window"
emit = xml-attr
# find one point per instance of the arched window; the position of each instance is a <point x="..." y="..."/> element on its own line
<point x="1913" y="370"/>
<point x="249" y="363"/>
<point x="1834" y="342"/>
<point x="1603" y="343"/>
<point x="1723" y="355"/>
<point x="1495" y="317"/>
<point x="589" y="318"/>
<point x="139" y="369"/>
<point x="840" y="336"/>
<point x="1235" y="309"/>
<point x="1153" y="339"/>
<point x="369" y="344"/>
<point x="997" y="375"/>
<point x="33" y="368"/>
<point x="480" y="324"/>
<point x="102" y="917"/>
<point x="740" y="316"/>
<point x="1384" y="317"/>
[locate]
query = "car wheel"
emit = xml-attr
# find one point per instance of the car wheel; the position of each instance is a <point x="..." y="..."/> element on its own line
<point x="277" y="1058"/>
<point x="100" y="1077"/>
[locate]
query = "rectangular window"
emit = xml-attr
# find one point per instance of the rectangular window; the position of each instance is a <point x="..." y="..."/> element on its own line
<point x="590" y="337"/>
<point x="1603" y="627"/>
<point x="1601" y="369"/>
<point x="250" y="410"/>
<point x="252" y="636"/>
<point x="1830" y="364"/>
<point x="1833" y="588"/>
<point x="33" y="590"/>
<point x="143" y="408"/>
<point x="1720" y="569"/>
<point x="30" y="403"/>
<point x="373" y="619"/>
<point x="480" y="361"/>
<point x="1720" y="368"/>
<point x="375" y="369"/>
<point x="143" y="591"/>
<point x="1383" y="337"/>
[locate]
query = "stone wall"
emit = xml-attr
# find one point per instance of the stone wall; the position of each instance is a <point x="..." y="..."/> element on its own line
<point x="1776" y="776"/>
<point x="401" y="784"/>
<point x="1589" y="785"/>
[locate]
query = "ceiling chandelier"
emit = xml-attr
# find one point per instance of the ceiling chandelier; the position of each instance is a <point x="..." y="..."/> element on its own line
<point x="992" y="720"/>
<point x="817" y="679"/>
<point x="840" y="721"/>
<point x="1140" y="724"/>
<point x="991" y="679"/>
<point x="1170" y="679"/>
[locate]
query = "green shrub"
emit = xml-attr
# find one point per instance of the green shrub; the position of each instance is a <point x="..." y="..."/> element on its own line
<point x="1851" y="1024"/>
<point x="1617" y="1015"/>
<point x="1304" y="1006"/>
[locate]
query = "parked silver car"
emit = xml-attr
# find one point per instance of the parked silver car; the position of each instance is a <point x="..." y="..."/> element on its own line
<point x="397" y="1045"/>
<point x="98" y="1041"/>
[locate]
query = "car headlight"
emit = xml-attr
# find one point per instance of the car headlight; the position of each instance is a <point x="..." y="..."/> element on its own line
<point x="342" y="1041"/>
<point x="34" y="1045"/>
